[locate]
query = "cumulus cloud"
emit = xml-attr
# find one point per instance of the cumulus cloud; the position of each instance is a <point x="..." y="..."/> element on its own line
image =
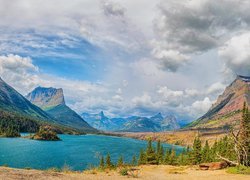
<point x="201" y="107"/>
<point x="19" y="71"/>
<point x="195" y="26"/>
<point x="217" y="87"/>
<point x="236" y="54"/>
<point x="183" y="29"/>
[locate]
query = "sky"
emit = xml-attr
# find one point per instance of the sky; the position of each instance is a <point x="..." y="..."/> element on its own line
<point x="126" y="57"/>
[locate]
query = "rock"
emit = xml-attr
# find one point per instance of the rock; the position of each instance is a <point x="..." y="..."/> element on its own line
<point x="213" y="166"/>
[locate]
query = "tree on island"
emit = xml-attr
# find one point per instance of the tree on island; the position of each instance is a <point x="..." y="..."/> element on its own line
<point x="46" y="133"/>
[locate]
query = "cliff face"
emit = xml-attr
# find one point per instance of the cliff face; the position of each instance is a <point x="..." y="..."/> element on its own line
<point x="46" y="98"/>
<point x="51" y="100"/>
<point x="226" y="110"/>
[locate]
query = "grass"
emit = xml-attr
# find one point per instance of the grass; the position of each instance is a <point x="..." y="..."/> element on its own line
<point x="123" y="171"/>
<point x="54" y="169"/>
<point x="239" y="170"/>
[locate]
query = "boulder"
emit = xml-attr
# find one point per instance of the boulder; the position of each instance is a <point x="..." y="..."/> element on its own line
<point x="213" y="166"/>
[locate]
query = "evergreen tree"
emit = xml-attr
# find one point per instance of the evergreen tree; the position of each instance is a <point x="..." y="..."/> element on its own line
<point x="206" y="153"/>
<point x="213" y="151"/>
<point x="142" y="158"/>
<point x="167" y="157"/>
<point x="101" y="165"/>
<point x="159" y="152"/>
<point x="172" y="158"/>
<point x="120" y="161"/>
<point x="134" y="161"/>
<point x="196" y="153"/>
<point x="150" y="154"/>
<point x="109" y="164"/>
<point x="244" y="137"/>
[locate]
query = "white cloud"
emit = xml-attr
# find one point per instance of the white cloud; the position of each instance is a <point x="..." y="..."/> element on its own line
<point x="201" y="107"/>
<point x="137" y="58"/>
<point x="236" y="53"/>
<point x="217" y="87"/>
<point x="18" y="71"/>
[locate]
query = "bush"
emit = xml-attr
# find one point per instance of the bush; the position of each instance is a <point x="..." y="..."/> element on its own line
<point x="123" y="172"/>
<point x="239" y="170"/>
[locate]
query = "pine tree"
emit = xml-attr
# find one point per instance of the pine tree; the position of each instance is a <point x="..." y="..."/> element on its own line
<point x="159" y="152"/>
<point x="244" y="136"/>
<point x="109" y="164"/>
<point x="120" y="161"/>
<point x="213" y="151"/>
<point x="161" y="155"/>
<point x="167" y="157"/>
<point x="158" y="146"/>
<point x="206" y="153"/>
<point x="134" y="161"/>
<point x="101" y="165"/>
<point x="196" y="153"/>
<point x="142" y="158"/>
<point x="150" y="154"/>
<point x="172" y="158"/>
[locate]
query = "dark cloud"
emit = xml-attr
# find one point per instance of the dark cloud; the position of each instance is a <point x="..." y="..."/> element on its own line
<point x="195" y="26"/>
<point x="113" y="9"/>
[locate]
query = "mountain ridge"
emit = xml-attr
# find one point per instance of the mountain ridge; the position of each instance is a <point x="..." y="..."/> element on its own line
<point x="132" y="123"/>
<point x="226" y="110"/>
<point x="12" y="101"/>
<point x="51" y="100"/>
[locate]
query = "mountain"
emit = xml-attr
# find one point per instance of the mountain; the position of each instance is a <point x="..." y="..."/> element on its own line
<point x="141" y="124"/>
<point x="99" y="121"/>
<point x="51" y="100"/>
<point x="226" y="111"/>
<point x="17" y="114"/>
<point x="46" y="98"/>
<point x="14" y="102"/>
<point x="132" y="124"/>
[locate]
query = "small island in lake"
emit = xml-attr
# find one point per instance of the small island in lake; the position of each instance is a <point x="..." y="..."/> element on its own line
<point x="46" y="133"/>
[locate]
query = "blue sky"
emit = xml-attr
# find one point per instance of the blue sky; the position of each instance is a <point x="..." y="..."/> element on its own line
<point x="126" y="57"/>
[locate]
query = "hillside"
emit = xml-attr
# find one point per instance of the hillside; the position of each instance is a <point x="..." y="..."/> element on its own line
<point x="226" y="110"/>
<point x="155" y="123"/>
<point x="12" y="101"/>
<point x="17" y="114"/>
<point x="51" y="100"/>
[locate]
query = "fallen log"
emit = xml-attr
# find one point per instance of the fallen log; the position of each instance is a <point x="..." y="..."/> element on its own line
<point x="227" y="160"/>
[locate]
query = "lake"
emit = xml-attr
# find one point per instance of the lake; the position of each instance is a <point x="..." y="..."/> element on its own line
<point x="77" y="152"/>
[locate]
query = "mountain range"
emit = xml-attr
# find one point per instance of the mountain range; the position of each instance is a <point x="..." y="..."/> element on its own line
<point x="226" y="111"/>
<point x="48" y="105"/>
<point x="155" y="123"/>
<point x="51" y="100"/>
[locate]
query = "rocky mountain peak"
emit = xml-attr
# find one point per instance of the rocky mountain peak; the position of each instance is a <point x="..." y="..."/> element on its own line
<point x="46" y="97"/>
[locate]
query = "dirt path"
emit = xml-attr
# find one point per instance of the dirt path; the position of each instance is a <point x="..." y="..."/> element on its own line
<point x="144" y="172"/>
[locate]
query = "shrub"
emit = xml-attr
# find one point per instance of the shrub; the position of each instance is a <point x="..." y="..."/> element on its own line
<point x="123" y="172"/>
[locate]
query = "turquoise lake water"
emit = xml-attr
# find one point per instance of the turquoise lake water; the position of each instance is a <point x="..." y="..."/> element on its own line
<point x="77" y="152"/>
